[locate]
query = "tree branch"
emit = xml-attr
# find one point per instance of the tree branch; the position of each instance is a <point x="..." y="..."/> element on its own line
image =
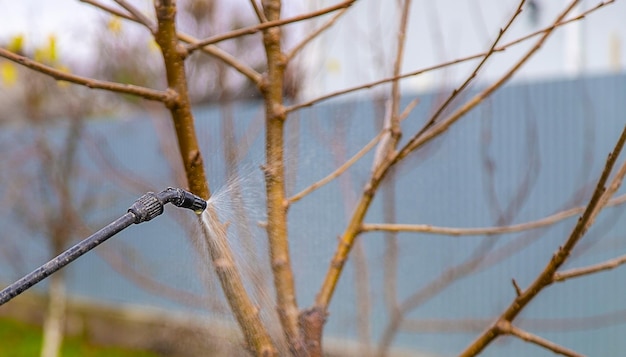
<point x="243" y="308"/>
<point x="265" y="25"/>
<point x="591" y="269"/>
<point x="540" y="223"/>
<point x="297" y="48"/>
<point x="469" y="79"/>
<point x="138" y="15"/>
<point x="340" y="170"/>
<point x="257" y="10"/>
<point x="275" y="117"/>
<point x="396" y="132"/>
<point x="477" y="325"/>
<point x="180" y="110"/>
<point x="146" y="93"/>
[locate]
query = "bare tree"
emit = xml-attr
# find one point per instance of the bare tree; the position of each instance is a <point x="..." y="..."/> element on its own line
<point x="302" y="328"/>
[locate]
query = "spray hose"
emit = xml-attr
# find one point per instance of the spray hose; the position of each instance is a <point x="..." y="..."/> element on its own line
<point x="144" y="209"/>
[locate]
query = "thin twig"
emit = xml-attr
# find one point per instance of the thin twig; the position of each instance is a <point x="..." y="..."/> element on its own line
<point x="226" y="57"/>
<point x="419" y="140"/>
<point x="305" y="41"/>
<point x="265" y="25"/>
<point x="141" y="18"/>
<point x="389" y="141"/>
<point x="506" y="328"/>
<point x="110" y="10"/>
<point x="257" y="10"/>
<point x="408" y="109"/>
<point x="146" y="93"/>
<point x="540" y="223"/>
<point x="591" y="269"/>
<point x="518" y="290"/>
<point x="474" y="73"/>
<point x="340" y="170"/>
<point x="443" y="64"/>
<point x="396" y="132"/>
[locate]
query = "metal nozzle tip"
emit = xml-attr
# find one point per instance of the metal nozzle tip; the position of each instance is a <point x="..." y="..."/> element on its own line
<point x="187" y="199"/>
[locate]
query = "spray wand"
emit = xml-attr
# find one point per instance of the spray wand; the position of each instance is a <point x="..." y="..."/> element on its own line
<point x="144" y="209"/>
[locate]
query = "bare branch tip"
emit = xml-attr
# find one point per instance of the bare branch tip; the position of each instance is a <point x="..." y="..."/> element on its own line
<point x="518" y="291"/>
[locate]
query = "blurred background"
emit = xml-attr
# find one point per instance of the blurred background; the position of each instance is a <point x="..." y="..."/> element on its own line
<point x="74" y="159"/>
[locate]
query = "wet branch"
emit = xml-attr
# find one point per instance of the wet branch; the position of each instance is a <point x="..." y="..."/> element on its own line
<point x="274" y="168"/>
<point x="243" y="308"/>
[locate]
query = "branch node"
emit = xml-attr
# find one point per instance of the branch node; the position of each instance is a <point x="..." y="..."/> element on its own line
<point x="263" y="83"/>
<point x="172" y="99"/>
<point x="182" y="51"/>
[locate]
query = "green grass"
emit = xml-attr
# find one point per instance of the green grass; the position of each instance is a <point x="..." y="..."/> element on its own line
<point x="18" y="339"/>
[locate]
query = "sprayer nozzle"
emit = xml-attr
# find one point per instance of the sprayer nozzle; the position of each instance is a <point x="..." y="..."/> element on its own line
<point x="151" y="205"/>
<point x="192" y="202"/>
<point x="184" y="199"/>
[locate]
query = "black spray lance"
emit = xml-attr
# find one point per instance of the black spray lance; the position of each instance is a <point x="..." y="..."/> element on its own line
<point x="144" y="209"/>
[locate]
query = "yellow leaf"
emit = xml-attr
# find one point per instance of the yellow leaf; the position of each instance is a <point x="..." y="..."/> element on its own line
<point x="51" y="50"/>
<point x="8" y="73"/>
<point x="16" y="44"/>
<point x="47" y="54"/>
<point x="115" y="25"/>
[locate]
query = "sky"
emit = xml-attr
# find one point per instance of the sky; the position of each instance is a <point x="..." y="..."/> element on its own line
<point x="360" y="47"/>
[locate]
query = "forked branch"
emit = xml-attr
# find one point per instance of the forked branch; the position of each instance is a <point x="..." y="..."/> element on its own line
<point x="506" y="328"/>
<point x="265" y="25"/>
<point x="471" y="77"/>
<point x="588" y="270"/>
